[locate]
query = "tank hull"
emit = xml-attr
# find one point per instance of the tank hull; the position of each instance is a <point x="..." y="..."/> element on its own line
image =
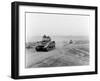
<point x="47" y="47"/>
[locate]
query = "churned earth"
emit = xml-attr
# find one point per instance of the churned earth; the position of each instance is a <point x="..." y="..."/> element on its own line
<point x="75" y="54"/>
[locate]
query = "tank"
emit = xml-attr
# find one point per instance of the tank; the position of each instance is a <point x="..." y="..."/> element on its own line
<point x="46" y="44"/>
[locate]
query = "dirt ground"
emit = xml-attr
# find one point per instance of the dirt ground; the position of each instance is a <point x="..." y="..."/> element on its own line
<point x="63" y="55"/>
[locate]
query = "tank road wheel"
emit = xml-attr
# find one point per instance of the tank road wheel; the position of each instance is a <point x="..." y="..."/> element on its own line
<point x="37" y="49"/>
<point x="47" y="49"/>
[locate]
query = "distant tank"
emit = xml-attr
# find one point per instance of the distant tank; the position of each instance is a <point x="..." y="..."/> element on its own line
<point x="46" y="44"/>
<point x="70" y="42"/>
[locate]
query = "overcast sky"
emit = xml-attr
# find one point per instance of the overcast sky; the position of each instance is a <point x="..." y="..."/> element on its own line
<point x="38" y="24"/>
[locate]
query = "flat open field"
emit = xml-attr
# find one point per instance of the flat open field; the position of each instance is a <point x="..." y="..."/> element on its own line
<point x="65" y="54"/>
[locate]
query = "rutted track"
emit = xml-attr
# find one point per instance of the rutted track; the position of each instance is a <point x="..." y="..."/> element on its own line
<point x="60" y="56"/>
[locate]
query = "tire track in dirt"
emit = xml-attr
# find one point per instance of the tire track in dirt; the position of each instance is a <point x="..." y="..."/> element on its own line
<point x="57" y="57"/>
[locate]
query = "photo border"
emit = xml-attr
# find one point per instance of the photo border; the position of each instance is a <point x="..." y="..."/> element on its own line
<point x="15" y="39"/>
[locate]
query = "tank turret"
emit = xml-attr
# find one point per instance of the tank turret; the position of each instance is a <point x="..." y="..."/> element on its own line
<point x="46" y="44"/>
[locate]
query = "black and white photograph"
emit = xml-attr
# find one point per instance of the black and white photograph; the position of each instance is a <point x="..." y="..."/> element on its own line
<point x="51" y="40"/>
<point x="54" y="40"/>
